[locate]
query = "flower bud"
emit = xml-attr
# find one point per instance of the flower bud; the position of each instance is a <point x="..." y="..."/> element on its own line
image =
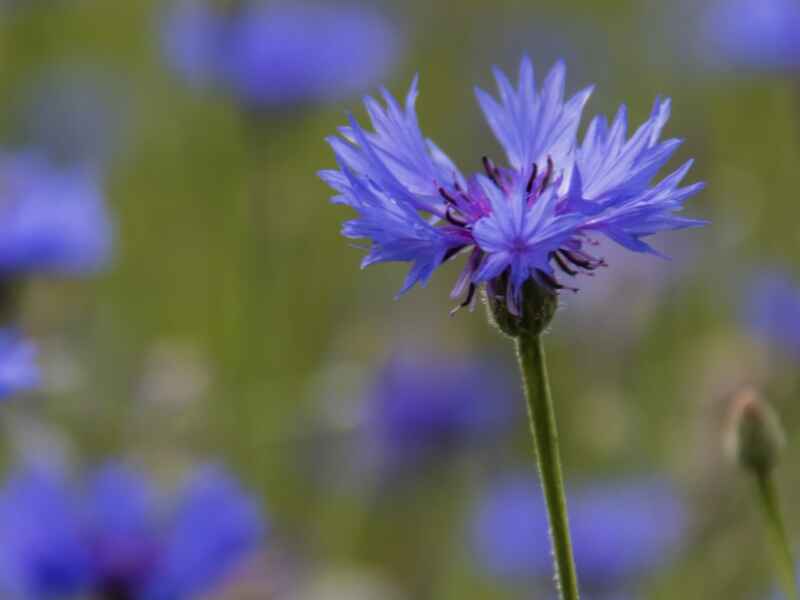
<point x="755" y="437"/>
<point x="536" y="310"/>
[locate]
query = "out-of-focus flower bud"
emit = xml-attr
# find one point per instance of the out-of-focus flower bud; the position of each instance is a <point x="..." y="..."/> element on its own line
<point x="755" y="436"/>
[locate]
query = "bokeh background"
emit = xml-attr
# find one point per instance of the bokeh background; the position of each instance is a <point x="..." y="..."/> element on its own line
<point x="385" y="440"/>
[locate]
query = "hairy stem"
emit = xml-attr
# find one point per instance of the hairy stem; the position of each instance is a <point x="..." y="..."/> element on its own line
<point x="541" y="414"/>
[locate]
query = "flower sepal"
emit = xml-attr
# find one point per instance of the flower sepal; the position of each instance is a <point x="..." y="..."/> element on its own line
<point x="536" y="309"/>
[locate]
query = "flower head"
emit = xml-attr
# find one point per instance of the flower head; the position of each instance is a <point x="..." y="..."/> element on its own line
<point x="762" y="35"/>
<point x="535" y="219"/>
<point x="421" y="406"/>
<point x="280" y="54"/>
<point x="18" y="367"/>
<point x="620" y="530"/>
<point x="53" y="219"/>
<point x="110" y="542"/>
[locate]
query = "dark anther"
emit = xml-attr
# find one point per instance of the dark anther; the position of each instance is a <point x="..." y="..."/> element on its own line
<point x="467" y="300"/>
<point x="550" y="280"/>
<point x="553" y="283"/>
<point x="448" y="198"/>
<point x="115" y="590"/>
<point x="488" y="166"/>
<point x="580" y="261"/>
<point x="451" y="218"/>
<point x="548" y="174"/>
<point x="451" y="252"/>
<point x="575" y="259"/>
<point x="534" y="173"/>
<point x="491" y="170"/>
<point x="563" y="264"/>
<point x="470" y="295"/>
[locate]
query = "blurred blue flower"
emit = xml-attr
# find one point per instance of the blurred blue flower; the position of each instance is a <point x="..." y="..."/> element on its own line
<point x="74" y="114"/>
<point x="193" y="36"/>
<point x="18" y="367"/>
<point x="111" y="542"/>
<point x="421" y="406"/>
<point x="528" y="221"/>
<point x="620" y="530"/>
<point x="771" y="309"/>
<point x="53" y="218"/>
<point x="271" y="55"/>
<point x="43" y="554"/>
<point x="754" y="34"/>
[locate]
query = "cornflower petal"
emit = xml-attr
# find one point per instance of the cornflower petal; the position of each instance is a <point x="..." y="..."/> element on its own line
<point x="616" y="179"/>
<point x="533" y="125"/>
<point x="396" y="154"/>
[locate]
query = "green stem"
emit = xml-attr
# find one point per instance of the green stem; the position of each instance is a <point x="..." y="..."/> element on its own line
<point x="541" y="414"/>
<point x="776" y="530"/>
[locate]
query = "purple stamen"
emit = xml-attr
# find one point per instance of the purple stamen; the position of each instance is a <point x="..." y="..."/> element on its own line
<point x="467" y="301"/>
<point x="548" y="174"/>
<point x="451" y="252"/>
<point x="452" y="219"/>
<point x="563" y="265"/>
<point x="579" y="259"/>
<point x="491" y="170"/>
<point x="447" y="197"/>
<point x="534" y="173"/>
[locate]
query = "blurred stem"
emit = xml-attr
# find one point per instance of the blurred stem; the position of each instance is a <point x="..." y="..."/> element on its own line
<point x="257" y="254"/>
<point x="262" y="248"/>
<point x="541" y="414"/>
<point x="767" y="496"/>
<point x="11" y="290"/>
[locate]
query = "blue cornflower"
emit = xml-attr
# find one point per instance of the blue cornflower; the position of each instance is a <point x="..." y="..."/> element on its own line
<point x="18" y="367"/>
<point x="771" y="309"/>
<point x="527" y="221"/>
<point x="421" y="406"/>
<point x="271" y="54"/>
<point x="620" y="530"/>
<point x="110" y="541"/>
<point x="754" y="34"/>
<point x="53" y="219"/>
